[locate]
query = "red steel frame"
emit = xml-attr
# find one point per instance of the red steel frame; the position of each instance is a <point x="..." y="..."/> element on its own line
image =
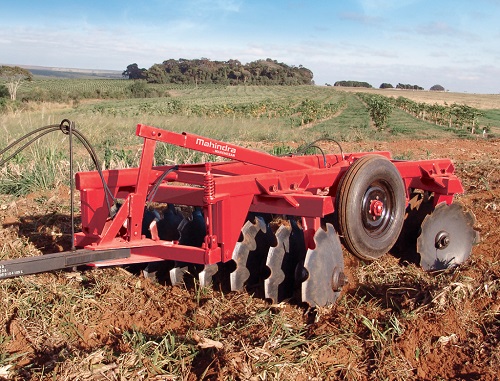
<point x="250" y="181"/>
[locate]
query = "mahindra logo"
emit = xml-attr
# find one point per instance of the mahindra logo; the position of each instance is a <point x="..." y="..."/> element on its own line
<point x="220" y="149"/>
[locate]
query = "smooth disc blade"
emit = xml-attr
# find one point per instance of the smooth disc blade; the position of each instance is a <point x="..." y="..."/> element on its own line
<point x="446" y="238"/>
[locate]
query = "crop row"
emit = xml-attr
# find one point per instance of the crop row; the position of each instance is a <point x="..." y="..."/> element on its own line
<point x="78" y="86"/>
<point x="454" y="115"/>
<point x="379" y="107"/>
<point x="85" y="85"/>
<point x="298" y="112"/>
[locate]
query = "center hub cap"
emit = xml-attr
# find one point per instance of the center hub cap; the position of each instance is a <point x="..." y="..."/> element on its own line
<point x="376" y="208"/>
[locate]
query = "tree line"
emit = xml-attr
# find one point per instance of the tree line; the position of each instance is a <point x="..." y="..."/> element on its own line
<point x="404" y="86"/>
<point x="232" y="72"/>
<point x="353" y="84"/>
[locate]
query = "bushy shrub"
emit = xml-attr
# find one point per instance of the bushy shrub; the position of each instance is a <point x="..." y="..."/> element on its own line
<point x="139" y="89"/>
<point x="4" y="92"/>
<point x="3" y="105"/>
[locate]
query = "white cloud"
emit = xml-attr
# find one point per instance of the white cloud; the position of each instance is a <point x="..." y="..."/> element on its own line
<point x="441" y="28"/>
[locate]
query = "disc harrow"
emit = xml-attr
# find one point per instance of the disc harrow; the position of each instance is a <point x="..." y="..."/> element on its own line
<point x="275" y="226"/>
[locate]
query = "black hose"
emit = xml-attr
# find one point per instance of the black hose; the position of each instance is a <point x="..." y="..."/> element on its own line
<point x="320" y="150"/>
<point x="46" y="130"/>
<point x="94" y="158"/>
<point x="312" y="144"/>
<point x="158" y="181"/>
<point x="66" y="127"/>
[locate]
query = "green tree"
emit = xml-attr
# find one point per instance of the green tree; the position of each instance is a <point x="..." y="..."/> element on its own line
<point x="157" y="74"/>
<point x="133" y="72"/>
<point x="437" y="88"/>
<point x="352" y="84"/>
<point x="231" y="72"/>
<point x="407" y="86"/>
<point x="14" y="76"/>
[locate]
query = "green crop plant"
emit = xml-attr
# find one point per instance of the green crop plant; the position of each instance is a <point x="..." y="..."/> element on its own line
<point x="379" y="108"/>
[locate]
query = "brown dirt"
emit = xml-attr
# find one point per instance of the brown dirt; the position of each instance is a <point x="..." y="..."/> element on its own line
<point x="450" y="323"/>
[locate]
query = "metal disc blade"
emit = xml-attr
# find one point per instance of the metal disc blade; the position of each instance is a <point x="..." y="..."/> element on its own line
<point x="325" y="268"/>
<point x="206" y="275"/>
<point x="240" y="253"/>
<point x="446" y="238"/>
<point x="149" y="272"/>
<point x="177" y="275"/>
<point x="274" y="263"/>
<point x="419" y="206"/>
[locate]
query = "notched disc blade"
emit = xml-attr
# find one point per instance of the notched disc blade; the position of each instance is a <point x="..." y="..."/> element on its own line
<point x="447" y="236"/>
<point x="177" y="275"/>
<point x="206" y="275"/>
<point x="274" y="263"/>
<point x="325" y="268"/>
<point x="240" y="254"/>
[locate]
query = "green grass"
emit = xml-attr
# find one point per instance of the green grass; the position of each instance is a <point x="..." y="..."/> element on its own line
<point x="352" y="124"/>
<point x="38" y="168"/>
<point x="491" y="120"/>
<point x="401" y="124"/>
<point x="247" y="115"/>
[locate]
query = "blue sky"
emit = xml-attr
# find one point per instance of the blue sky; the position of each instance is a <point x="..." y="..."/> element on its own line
<point x="455" y="43"/>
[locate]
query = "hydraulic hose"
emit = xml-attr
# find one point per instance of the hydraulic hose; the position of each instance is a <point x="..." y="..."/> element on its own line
<point x="67" y="127"/>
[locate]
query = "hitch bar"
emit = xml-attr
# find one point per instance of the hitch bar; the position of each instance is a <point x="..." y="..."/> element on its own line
<point x="12" y="268"/>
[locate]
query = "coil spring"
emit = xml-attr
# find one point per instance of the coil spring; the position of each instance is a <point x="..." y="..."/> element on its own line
<point x="209" y="190"/>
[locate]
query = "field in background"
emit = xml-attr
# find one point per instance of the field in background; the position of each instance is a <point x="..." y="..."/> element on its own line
<point x="268" y="113"/>
<point x="270" y="118"/>
<point x="392" y="322"/>
<point x="480" y="101"/>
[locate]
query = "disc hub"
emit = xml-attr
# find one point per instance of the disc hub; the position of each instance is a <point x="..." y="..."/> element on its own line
<point x="442" y="240"/>
<point x="339" y="279"/>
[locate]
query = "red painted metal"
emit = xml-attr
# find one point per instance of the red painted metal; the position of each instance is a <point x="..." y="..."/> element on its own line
<point x="376" y="208"/>
<point x="249" y="181"/>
